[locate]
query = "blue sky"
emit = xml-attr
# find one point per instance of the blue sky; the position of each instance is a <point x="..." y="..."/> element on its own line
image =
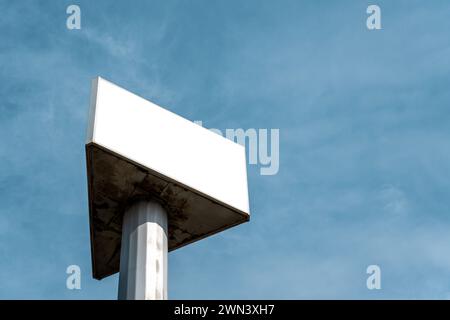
<point x="364" y="140"/>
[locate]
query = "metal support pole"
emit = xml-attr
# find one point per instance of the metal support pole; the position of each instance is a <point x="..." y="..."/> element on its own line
<point x="143" y="255"/>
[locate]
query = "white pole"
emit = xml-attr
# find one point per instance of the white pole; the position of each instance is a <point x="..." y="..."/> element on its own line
<point x="143" y="255"/>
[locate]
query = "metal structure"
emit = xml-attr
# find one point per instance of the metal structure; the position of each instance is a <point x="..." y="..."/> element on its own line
<point x="143" y="256"/>
<point x="156" y="182"/>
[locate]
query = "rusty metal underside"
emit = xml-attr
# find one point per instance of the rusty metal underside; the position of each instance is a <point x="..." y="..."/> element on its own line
<point x="114" y="182"/>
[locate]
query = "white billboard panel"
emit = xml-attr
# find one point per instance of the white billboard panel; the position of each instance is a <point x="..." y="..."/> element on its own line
<point x="136" y="149"/>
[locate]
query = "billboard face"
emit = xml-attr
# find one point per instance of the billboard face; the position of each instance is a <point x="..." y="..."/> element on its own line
<point x="136" y="149"/>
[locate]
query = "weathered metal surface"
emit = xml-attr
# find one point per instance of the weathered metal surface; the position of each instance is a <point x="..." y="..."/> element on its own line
<point x="114" y="183"/>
